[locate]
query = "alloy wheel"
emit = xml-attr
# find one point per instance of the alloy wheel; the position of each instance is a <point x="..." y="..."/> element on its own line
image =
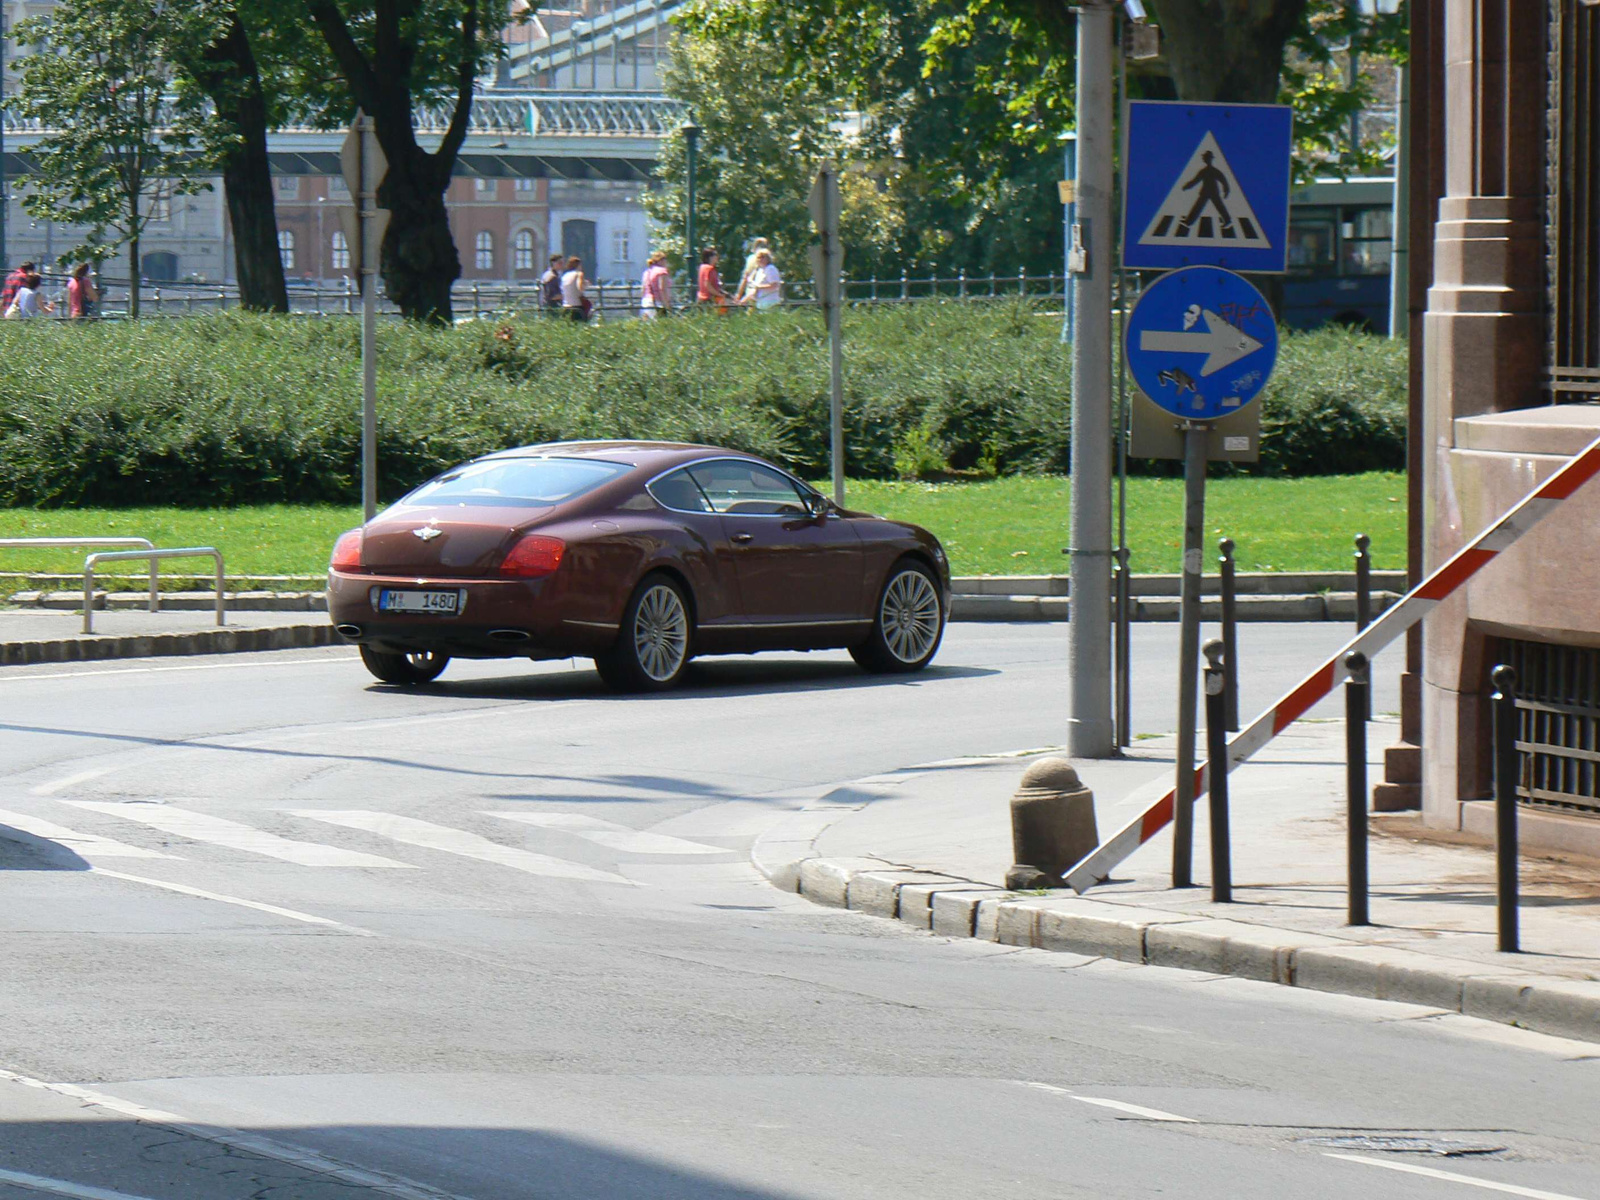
<point x="910" y="616"/>
<point x="660" y="633"/>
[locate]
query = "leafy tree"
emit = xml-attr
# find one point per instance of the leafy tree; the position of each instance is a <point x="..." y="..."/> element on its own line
<point x="98" y="81"/>
<point x="241" y="71"/>
<point x="386" y="56"/>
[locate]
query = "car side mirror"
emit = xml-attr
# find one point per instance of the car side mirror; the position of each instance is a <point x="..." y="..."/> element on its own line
<point x="816" y="504"/>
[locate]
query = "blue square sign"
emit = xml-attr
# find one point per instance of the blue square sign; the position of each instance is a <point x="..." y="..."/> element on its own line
<point x="1207" y="185"/>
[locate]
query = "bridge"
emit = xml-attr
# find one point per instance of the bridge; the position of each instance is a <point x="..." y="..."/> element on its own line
<point x="513" y="134"/>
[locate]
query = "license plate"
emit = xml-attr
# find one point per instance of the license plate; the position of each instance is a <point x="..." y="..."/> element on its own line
<point x="442" y="604"/>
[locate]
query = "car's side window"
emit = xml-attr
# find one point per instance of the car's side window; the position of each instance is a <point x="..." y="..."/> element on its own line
<point x="680" y="492"/>
<point x="748" y="489"/>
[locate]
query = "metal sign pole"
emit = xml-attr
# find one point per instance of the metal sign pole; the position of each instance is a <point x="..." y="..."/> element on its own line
<point x="826" y="261"/>
<point x="364" y="166"/>
<point x="1194" y="520"/>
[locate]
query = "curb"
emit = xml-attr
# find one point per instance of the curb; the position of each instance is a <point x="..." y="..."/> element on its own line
<point x="206" y="641"/>
<point x="952" y="907"/>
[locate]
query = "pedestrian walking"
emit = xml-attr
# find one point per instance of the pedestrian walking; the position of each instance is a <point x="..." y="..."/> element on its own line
<point x="656" y="287"/>
<point x="82" y="295"/>
<point x="28" y="302"/>
<point x="744" y="294"/>
<point x="8" y="292"/>
<point x="765" y="285"/>
<point x="575" y="302"/>
<point x="550" y="286"/>
<point x="708" y="284"/>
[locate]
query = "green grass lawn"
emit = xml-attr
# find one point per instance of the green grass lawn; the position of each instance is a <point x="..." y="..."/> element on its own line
<point x="1013" y="526"/>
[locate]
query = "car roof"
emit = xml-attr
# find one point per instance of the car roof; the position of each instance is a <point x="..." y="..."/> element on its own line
<point x="656" y="455"/>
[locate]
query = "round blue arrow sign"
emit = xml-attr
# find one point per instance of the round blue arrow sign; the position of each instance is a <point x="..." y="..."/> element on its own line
<point x="1201" y="342"/>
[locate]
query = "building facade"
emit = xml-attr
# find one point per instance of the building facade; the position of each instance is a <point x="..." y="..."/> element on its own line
<point x="1506" y="299"/>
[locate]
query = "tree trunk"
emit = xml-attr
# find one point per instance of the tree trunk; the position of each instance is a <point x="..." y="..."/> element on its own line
<point x="133" y="277"/>
<point x="230" y="75"/>
<point x="1227" y="51"/>
<point x="418" y="258"/>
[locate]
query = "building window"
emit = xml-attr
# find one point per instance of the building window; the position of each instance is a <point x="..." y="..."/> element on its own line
<point x="485" y="257"/>
<point x="161" y="202"/>
<point x="286" y="248"/>
<point x="486" y="188"/>
<point x="288" y="187"/>
<point x="341" y="251"/>
<point x="338" y="189"/>
<point x="526" y="185"/>
<point x="522" y="250"/>
<point x="621" y="245"/>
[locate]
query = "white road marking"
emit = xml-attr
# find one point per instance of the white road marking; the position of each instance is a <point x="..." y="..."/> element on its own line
<point x="200" y="893"/>
<point x="227" y="666"/>
<point x="60" y="1187"/>
<point x="611" y="835"/>
<point x="426" y="834"/>
<point x="87" y="846"/>
<point x="1137" y="1110"/>
<point x="1452" y="1177"/>
<point x="203" y="827"/>
<point x="382" y="1181"/>
<point x="46" y="789"/>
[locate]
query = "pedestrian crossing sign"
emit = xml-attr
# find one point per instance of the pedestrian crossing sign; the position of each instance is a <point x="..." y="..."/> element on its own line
<point x="1206" y="184"/>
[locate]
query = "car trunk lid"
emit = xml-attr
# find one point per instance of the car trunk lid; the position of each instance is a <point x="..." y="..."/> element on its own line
<point x="431" y="542"/>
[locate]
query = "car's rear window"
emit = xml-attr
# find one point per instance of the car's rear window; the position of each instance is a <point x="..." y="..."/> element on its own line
<point x="518" y="482"/>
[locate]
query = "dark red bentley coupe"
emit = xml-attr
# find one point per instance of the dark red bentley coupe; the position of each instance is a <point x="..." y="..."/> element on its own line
<point x="640" y="555"/>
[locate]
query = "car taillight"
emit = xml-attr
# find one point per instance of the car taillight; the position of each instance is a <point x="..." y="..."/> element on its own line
<point x="534" y="556"/>
<point x="347" y="552"/>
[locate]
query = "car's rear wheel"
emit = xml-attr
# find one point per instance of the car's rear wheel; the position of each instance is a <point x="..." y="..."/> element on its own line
<point x="652" y="647"/>
<point x="408" y="669"/>
<point x="908" y="623"/>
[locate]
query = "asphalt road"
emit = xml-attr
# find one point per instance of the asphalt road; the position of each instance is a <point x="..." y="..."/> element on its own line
<point x="272" y="931"/>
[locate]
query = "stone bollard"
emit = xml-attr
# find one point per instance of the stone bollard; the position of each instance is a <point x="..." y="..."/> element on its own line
<point x="1052" y="825"/>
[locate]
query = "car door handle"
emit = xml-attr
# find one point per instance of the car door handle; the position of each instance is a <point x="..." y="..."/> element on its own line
<point x="742" y="537"/>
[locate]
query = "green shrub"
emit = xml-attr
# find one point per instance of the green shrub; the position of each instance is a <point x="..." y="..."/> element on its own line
<point x="233" y="409"/>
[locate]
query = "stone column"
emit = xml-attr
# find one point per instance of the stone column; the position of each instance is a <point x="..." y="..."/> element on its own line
<point x="1483" y="346"/>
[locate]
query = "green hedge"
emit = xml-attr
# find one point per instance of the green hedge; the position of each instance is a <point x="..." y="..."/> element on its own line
<point x="237" y="409"/>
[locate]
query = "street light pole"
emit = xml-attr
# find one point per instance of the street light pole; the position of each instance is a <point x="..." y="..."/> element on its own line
<point x="691" y="143"/>
<point x="1090" y="732"/>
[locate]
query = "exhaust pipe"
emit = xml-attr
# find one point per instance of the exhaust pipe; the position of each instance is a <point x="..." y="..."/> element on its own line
<point x="509" y="635"/>
<point x="350" y="631"/>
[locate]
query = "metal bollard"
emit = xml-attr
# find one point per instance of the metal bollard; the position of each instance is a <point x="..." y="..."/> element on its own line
<point x="1230" y="635"/>
<point x="1122" y="646"/>
<point x="1505" y="805"/>
<point x="1217" y="772"/>
<point x="1355" y="750"/>
<point x="1364" y="594"/>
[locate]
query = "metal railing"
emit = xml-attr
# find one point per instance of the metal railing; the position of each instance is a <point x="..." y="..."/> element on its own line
<point x="76" y="543"/>
<point x="613" y="299"/>
<point x="154" y="556"/>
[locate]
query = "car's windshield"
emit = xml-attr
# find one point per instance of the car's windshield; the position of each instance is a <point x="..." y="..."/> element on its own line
<point x="519" y="482"/>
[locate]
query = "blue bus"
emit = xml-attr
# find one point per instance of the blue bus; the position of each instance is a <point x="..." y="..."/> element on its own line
<point x="1341" y="232"/>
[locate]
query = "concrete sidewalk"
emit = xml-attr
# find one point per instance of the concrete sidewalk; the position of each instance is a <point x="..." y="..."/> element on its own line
<point x="930" y="846"/>
<point x="39" y="635"/>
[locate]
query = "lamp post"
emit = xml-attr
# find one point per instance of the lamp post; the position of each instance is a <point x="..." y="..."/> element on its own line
<point x="691" y="144"/>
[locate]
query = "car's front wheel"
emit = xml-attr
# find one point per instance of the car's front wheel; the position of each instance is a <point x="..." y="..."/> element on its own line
<point x="408" y="669"/>
<point x="908" y="623"/>
<point x="652" y="647"/>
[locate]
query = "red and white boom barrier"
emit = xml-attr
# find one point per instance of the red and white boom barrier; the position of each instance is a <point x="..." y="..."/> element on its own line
<point x="1413" y="606"/>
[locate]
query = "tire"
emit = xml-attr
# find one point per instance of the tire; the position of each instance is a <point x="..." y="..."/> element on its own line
<point x="408" y="670"/>
<point x="908" y="623"/>
<point x="655" y="641"/>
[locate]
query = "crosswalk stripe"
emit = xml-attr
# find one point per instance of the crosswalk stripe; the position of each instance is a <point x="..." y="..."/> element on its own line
<point x="87" y="846"/>
<point x="203" y="827"/>
<point x="610" y="835"/>
<point x="414" y="832"/>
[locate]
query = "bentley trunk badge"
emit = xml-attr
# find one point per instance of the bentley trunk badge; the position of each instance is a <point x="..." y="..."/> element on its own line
<point x="427" y="533"/>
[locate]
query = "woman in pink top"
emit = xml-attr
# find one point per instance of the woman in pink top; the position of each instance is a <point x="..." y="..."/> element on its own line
<point x="657" y="286"/>
<point x="81" y="293"/>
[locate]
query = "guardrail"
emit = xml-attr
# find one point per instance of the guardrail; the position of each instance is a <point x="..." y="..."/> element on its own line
<point x="73" y="543"/>
<point x="154" y="556"/>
